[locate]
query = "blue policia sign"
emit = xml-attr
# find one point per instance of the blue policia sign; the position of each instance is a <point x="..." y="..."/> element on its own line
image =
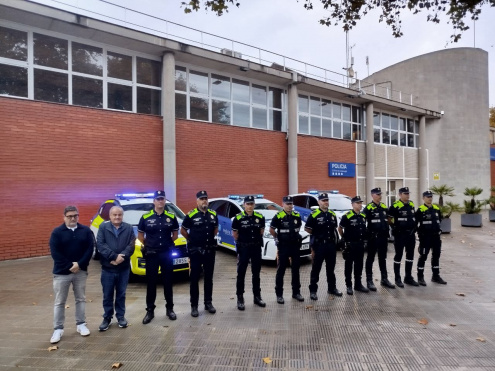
<point x="341" y="169"/>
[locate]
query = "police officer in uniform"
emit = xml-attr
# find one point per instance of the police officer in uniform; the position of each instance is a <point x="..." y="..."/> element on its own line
<point x="157" y="231"/>
<point x="248" y="228"/>
<point x="353" y="229"/>
<point x="376" y="216"/>
<point x="200" y="227"/>
<point x="322" y="226"/>
<point x="428" y="217"/>
<point x="402" y="219"/>
<point x="284" y="228"/>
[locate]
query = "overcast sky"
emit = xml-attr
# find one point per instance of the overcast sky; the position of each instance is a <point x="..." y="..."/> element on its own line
<point x="285" y="27"/>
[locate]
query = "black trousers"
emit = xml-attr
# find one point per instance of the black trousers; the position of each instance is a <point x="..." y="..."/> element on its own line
<point x="244" y="255"/>
<point x="354" y="258"/>
<point x="378" y="243"/>
<point x="323" y="253"/>
<point x="429" y="242"/>
<point x="153" y="262"/>
<point x="207" y="260"/>
<point x="284" y="253"/>
<point x="407" y="241"/>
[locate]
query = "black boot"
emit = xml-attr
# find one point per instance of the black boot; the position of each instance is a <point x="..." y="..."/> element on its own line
<point x="386" y="283"/>
<point x="194" y="311"/>
<point x="421" y="279"/>
<point x="371" y="285"/>
<point x="349" y="290"/>
<point x="210" y="308"/>
<point x="313" y="296"/>
<point x="259" y="302"/>
<point x="398" y="282"/>
<point x="150" y="314"/>
<point x="358" y="286"/>
<point x="298" y="297"/>
<point x="410" y="281"/>
<point x="240" y="302"/>
<point x="436" y="278"/>
<point x="171" y="314"/>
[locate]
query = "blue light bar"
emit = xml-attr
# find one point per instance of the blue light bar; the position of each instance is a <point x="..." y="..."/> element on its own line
<point x="260" y="196"/>
<point x="234" y="197"/>
<point x="133" y="195"/>
<point x="313" y="192"/>
<point x="334" y="191"/>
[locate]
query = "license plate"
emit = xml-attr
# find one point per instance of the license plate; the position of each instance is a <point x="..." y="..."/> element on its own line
<point x="180" y="261"/>
<point x="305" y="246"/>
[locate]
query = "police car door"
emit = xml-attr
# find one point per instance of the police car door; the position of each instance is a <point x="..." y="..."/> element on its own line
<point x="225" y="237"/>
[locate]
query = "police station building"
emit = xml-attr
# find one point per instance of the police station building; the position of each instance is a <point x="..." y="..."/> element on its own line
<point x="91" y="108"/>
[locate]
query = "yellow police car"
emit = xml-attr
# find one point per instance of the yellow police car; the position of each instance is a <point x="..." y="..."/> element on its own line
<point x="135" y="205"/>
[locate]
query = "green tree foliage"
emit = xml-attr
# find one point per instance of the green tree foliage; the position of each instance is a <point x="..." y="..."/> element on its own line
<point x="348" y="12"/>
<point x="492" y="117"/>
<point x="472" y="206"/>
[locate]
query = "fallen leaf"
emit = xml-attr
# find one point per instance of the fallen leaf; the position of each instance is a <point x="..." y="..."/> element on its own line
<point x="90" y="300"/>
<point x="166" y="326"/>
<point x="462" y="241"/>
<point x="309" y="307"/>
<point x="481" y="340"/>
<point x="54" y="347"/>
<point x="35" y="303"/>
<point x="231" y="298"/>
<point x="460" y="294"/>
<point x="477" y="281"/>
<point x="117" y="365"/>
<point x="67" y="306"/>
<point x="267" y="360"/>
<point x="452" y="324"/>
<point x="423" y="321"/>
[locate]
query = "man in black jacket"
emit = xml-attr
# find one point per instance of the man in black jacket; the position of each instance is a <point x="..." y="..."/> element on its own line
<point x="71" y="246"/>
<point x="115" y="242"/>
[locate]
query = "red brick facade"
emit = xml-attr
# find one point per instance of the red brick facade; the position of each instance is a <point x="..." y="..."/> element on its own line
<point x="54" y="155"/>
<point x="314" y="154"/>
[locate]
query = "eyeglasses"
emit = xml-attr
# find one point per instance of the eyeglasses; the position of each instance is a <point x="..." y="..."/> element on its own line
<point x="72" y="216"/>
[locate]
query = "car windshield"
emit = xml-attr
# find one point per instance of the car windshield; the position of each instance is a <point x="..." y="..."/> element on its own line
<point x="268" y="206"/>
<point x="340" y="203"/>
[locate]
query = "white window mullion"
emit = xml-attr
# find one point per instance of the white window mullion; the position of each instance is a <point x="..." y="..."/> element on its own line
<point x="30" y="64"/>
<point x="69" y="70"/>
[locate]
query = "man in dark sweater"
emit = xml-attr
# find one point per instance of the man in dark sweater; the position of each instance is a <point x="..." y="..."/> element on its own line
<point x="115" y="242"/>
<point x="71" y="246"/>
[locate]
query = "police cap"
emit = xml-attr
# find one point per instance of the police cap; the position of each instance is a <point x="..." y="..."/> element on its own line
<point x="376" y="191"/>
<point x="356" y="199"/>
<point x="159" y="194"/>
<point x="201" y="194"/>
<point x="288" y="200"/>
<point x="404" y="190"/>
<point x="323" y="196"/>
<point x="248" y="199"/>
<point x="428" y="193"/>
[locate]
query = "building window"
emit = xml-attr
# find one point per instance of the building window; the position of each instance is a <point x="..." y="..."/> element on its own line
<point x="93" y="70"/>
<point x="13" y="44"/>
<point x="322" y="117"/>
<point x="394" y="130"/>
<point x="13" y="80"/>
<point x="224" y="100"/>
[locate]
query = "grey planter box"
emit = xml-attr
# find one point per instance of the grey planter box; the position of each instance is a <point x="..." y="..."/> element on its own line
<point x="446" y="225"/>
<point x="471" y="220"/>
<point x="491" y="215"/>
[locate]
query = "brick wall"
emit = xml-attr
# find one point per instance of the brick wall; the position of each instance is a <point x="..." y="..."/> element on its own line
<point x="314" y="154"/>
<point x="54" y="155"/>
<point x="228" y="160"/>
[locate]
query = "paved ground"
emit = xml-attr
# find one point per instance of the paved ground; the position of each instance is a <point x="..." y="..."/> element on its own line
<point x="376" y="331"/>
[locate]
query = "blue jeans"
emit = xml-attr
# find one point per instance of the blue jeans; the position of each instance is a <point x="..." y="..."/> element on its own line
<point x="61" y="285"/>
<point x="114" y="283"/>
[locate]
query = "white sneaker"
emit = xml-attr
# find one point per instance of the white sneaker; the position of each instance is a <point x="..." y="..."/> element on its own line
<point x="82" y="329"/>
<point x="57" y="335"/>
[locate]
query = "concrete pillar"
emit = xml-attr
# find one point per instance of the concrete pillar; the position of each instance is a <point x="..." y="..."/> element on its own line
<point x="292" y="137"/>
<point x="422" y="156"/>
<point x="370" y="150"/>
<point x="168" y="114"/>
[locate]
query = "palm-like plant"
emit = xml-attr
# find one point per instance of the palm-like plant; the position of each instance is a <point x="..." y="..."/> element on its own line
<point x="445" y="190"/>
<point x="472" y="206"/>
<point x="491" y="200"/>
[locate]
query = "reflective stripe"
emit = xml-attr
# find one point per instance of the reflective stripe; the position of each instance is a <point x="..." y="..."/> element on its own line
<point x="402" y="219"/>
<point x="421" y="268"/>
<point x="97" y="221"/>
<point x="376" y="221"/>
<point x="409" y="260"/>
<point x="284" y="231"/>
<point x="428" y="222"/>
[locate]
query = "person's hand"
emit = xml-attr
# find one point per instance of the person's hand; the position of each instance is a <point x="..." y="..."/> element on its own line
<point x="120" y="259"/>
<point x="75" y="267"/>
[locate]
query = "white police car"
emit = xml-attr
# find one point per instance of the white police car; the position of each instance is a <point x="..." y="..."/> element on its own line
<point x="306" y="203"/>
<point x="135" y="205"/>
<point x="227" y="208"/>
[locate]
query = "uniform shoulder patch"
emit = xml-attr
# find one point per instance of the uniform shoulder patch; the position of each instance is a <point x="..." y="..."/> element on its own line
<point x="238" y="216"/>
<point x="436" y="207"/>
<point x="147" y="215"/>
<point x="398" y="204"/>
<point x="315" y="213"/>
<point x="169" y="214"/>
<point x="370" y="206"/>
<point x="349" y="214"/>
<point x="332" y="212"/>
<point x="258" y="215"/>
<point x="383" y="205"/>
<point x="192" y="212"/>
<point x="411" y="203"/>
<point x="212" y="212"/>
<point x="281" y="214"/>
<point x="295" y="213"/>
<point x="423" y="208"/>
